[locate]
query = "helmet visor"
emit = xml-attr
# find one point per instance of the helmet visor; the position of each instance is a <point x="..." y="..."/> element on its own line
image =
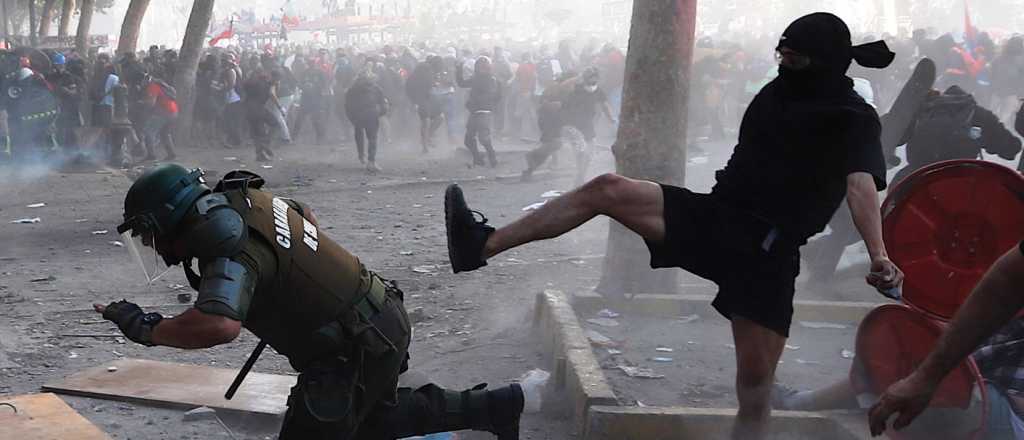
<point x="142" y="246"/>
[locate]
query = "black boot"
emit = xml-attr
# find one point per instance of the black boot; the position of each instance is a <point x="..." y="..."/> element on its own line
<point x="495" y="411"/>
<point x="466" y="235"/>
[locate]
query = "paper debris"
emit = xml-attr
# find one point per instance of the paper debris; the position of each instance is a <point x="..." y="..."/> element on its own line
<point x="100" y="232"/>
<point x="613" y="351"/>
<point x="551" y="194"/>
<point x="36" y="205"/>
<point x="598" y="339"/>
<point x="116" y="243"/>
<point x="662" y="359"/>
<point x="688" y="318"/>
<point x="267" y="167"/>
<point x="638" y="372"/>
<point x="430" y="268"/>
<point x="606" y="313"/>
<point x="663" y="350"/>
<point x="792" y="347"/>
<point x="846" y="354"/>
<point x="803" y="362"/>
<point x="534" y="206"/>
<point x="111" y="369"/>
<point x="604" y="322"/>
<point x="25" y="221"/>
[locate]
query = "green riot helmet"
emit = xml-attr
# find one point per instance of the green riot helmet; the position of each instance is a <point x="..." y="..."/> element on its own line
<point x="154" y="208"/>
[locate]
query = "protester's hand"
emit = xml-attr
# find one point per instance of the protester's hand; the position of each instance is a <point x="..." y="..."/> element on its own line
<point x="907" y="398"/>
<point x="885" y="277"/>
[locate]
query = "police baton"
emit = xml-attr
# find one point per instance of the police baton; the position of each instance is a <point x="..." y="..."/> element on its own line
<point x="256" y="352"/>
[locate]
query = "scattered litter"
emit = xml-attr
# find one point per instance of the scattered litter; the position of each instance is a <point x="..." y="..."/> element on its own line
<point x="332" y="180"/>
<point x="201" y="413"/>
<point x="266" y="167"/>
<point x="690" y="342"/>
<point x="613" y="351"/>
<point x="534" y="206"/>
<point x="698" y="160"/>
<point x="36" y="205"/>
<point x="44" y="280"/>
<point x="406" y="253"/>
<point x="100" y="232"/>
<point x="792" y="347"/>
<point x="606" y="313"/>
<point x="846" y="354"/>
<point x="111" y="369"/>
<point x="664" y="350"/>
<point x="175" y="286"/>
<point x="551" y="194"/>
<point x="604" y="322"/>
<point x="417" y="205"/>
<point x="803" y="362"/>
<point x="81" y="220"/>
<point x="640" y="404"/>
<point x="25" y="221"/>
<point x="430" y="268"/>
<point x="533" y="383"/>
<point x="231" y="158"/>
<point x="688" y="318"/>
<point x="72" y="355"/>
<point x="638" y="372"/>
<point x="598" y="339"/>
<point x="813" y="324"/>
<point x="662" y="359"/>
<point x="117" y="353"/>
<point x="116" y="243"/>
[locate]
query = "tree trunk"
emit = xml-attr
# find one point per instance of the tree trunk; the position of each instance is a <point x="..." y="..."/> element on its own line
<point x="66" y="11"/>
<point x="131" y="26"/>
<point x="5" y="27"/>
<point x="652" y="133"/>
<point x="84" y="22"/>
<point x="188" y="62"/>
<point x="32" y="35"/>
<point x="46" y="17"/>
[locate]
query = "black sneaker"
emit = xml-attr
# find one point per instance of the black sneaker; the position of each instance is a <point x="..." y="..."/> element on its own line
<point x="466" y="235"/>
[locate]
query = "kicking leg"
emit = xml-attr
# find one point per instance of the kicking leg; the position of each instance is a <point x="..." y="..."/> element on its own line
<point x="758" y="350"/>
<point x="636" y="204"/>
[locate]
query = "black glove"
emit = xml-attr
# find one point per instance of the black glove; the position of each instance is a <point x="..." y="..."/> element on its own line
<point x="135" y="324"/>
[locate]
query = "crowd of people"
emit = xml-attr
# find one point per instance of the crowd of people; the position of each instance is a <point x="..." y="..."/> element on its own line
<point x="266" y="97"/>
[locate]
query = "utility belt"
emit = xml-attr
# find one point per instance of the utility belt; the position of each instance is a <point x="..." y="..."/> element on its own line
<point x="377" y="326"/>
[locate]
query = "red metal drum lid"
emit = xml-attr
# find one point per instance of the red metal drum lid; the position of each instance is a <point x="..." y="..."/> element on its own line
<point x="894" y="339"/>
<point x="946" y="224"/>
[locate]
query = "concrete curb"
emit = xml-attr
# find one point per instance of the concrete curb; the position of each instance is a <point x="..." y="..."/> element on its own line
<point x="671" y="306"/>
<point x="634" y="423"/>
<point x="575" y="371"/>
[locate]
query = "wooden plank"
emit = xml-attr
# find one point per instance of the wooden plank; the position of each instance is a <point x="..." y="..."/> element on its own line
<point x="44" y="417"/>
<point x="154" y="382"/>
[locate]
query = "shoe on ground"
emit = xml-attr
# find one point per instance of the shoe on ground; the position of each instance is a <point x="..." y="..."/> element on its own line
<point x="372" y="168"/>
<point x="466" y="235"/>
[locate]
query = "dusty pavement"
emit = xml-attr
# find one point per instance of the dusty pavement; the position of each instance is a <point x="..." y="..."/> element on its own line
<point x="469" y="328"/>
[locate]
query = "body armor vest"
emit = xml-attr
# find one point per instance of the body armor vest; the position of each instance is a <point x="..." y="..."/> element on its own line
<point x="317" y="282"/>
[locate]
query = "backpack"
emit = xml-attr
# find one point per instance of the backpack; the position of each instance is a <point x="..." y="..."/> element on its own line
<point x="943" y="131"/>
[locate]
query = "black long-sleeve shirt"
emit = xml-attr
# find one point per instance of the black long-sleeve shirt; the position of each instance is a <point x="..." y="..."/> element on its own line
<point x="484" y="91"/>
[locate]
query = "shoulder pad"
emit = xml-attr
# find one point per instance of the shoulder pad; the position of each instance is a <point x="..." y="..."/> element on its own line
<point x="216" y="229"/>
<point x="239" y="180"/>
<point x="226" y="289"/>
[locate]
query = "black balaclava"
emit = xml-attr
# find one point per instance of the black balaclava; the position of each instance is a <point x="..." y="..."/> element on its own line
<point x="825" y="38"/>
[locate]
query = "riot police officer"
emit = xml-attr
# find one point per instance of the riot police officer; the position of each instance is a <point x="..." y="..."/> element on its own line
<point x="265" y="264"/>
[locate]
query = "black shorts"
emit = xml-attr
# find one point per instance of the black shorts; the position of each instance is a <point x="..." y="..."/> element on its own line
<point x="755" y="269"/>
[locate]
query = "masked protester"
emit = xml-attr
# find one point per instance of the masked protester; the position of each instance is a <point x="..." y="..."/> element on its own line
<point x="806" y="140"/>
<point x="365" y="105"/>
<point x="266" y="265"/>
<point x="70" y="89"/>
<point x="484" y="97"/>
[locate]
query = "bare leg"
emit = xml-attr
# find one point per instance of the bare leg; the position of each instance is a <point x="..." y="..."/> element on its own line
<point x="637" y="204"/>
<point x="758" y="350"/>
